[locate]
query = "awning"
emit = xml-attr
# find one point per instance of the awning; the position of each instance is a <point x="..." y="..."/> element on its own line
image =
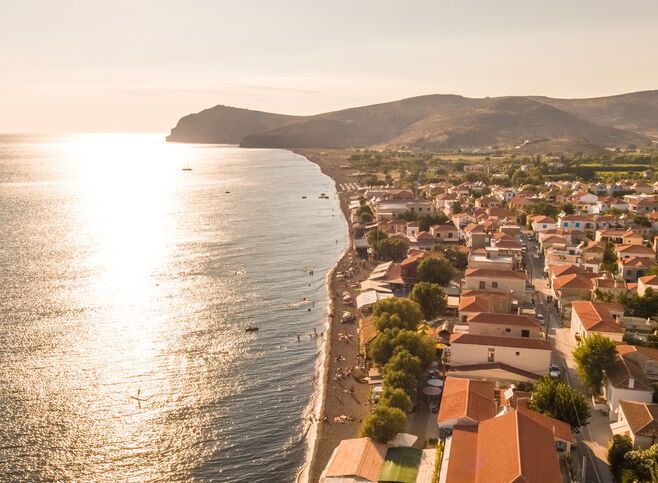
<point x="369" y="298"/>
<point x="403" y="440"/>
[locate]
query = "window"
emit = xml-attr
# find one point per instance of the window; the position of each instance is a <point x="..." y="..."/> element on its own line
<point x="518" y="353"/>
<point x="490" y="355"/>
<point x="482" y="285"/>
<point x="494" y="284"/>
<point x="577" y="224"/>
<point x="507" y="329"/>
<point x="525" y="333"/>
<point x="449" y="235"/>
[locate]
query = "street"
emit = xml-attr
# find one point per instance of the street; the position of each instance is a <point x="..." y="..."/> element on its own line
<point x="591" y="446"/>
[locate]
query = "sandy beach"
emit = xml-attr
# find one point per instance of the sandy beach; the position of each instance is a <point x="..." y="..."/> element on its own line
<point x="342" y="395"/>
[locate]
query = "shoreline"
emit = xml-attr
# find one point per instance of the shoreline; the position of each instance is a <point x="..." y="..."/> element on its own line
<point x="333" y="398"/>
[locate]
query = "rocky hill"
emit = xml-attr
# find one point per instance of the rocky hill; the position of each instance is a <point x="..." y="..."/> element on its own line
<point x="441" y="122"/>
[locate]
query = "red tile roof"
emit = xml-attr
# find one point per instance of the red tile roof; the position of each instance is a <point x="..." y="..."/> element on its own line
<point x="649" y="280"/>
<point x="528" y="454"/>
<point x="574" y="280"/>
<point x="642" y="417"/>
<point x="504" y="319"/>
<point x="598" y="316"/>
<point x="635" y="249"/>
<point x="490" y="340"/>
<point x="467" y="398"/>
<point x="360" y="457"/>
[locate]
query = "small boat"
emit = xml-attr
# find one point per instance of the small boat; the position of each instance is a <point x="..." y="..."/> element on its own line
<point x="303" y="197"/>
<point x="187" y="168"/>
<point x="226" y="192"/>
<point x="251" y="328"/>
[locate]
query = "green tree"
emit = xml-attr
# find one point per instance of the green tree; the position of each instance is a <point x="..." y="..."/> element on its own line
<point x="364" y="209"/>
<point x="389" y="341"/>
<point x="382" y="346"/>
<point x="365" y="217"/>
<point x="408" y="215"/>
<point x="619" y="446"/>
<point x="404" y="361"/>
<point x="392" y="249"/>
<point x="375" y="236"/>
<point x="641" y="220"/>
<point x="455" y="256"/>
<point x="401" y="380"/>
<point x="394" y="397"/>
<point x="643" y="464"/>
<point x="609" y="262"/>
<point x="640" y="306"/>
<point x="435" y="270"/>
<point x="408" y="310"/>
<point x="568" y="209"/>
<point x="383" y="424"/>
<point x="417" y="344"/>
<point x="593" y="357"/>
<point x="431" y="299"/>
<point x="425" y="221"/>
<point x="558" y="400"/>
<point x="543" y="208"/>
<point x="519" y="177"/>
<point x="457" y="207"/>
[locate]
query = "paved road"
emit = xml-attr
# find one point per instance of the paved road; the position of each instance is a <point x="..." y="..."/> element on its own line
<point x="588" y="456"/>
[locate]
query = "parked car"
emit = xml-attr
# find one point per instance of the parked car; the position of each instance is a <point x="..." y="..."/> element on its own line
<point x="554" y="370"/>
<point x="541" y="319"/>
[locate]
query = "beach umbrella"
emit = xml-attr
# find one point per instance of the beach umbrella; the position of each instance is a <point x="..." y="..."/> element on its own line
<point x="431" y="391"/>
<point x="435" y="382"/>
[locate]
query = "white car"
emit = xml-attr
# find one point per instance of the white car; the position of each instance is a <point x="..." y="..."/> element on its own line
<point x="554" y="370"/>
<point x="541" y="319"/>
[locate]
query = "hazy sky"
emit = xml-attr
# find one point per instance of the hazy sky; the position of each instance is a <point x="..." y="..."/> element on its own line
<point x="138" y="65"/>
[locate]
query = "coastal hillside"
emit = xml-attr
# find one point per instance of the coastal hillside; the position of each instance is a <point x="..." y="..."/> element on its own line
<point x="226" y="125"/>
<point x="637" y="111"/>
<point x="441" y="122"/>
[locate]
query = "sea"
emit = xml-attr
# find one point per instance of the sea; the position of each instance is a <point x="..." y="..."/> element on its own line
<point x="130" y="269"/>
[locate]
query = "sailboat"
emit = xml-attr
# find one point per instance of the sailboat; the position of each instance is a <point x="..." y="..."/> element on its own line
<point x="187" y="167"/>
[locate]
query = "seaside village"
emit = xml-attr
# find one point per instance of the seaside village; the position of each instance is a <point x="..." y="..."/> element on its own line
<point x="505" y="336"/>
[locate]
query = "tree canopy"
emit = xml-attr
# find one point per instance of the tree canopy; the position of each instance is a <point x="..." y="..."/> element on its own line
<point x="555" y="398"/>
<point x="619" y="446"/>
<point x="404" y="361"/>
<point x="593" y="357"/>
<point x="609" y="262"/>
<point x="408" y="310"/>
<point x="386" y="342"/>
<point x="401" y="380"/>
<point x="435" y="270"/>
<point x="427" y="220"/>
<point x="392" y="249"/>
<point x="640" y="306"/>
<point x="431" y="299"/>
<point x="395" y="397"/>
<point x="383" y="424"/>
<point x="375" y="236"/>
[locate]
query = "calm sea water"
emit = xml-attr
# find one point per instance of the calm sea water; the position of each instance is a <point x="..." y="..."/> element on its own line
<point x="126" y="285"/>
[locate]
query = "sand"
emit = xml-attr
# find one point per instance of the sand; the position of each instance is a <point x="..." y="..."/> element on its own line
<point x="335" y="401"/>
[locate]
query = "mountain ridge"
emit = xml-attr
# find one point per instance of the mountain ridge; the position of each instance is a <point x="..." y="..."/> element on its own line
<point x="440" y="122"/>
